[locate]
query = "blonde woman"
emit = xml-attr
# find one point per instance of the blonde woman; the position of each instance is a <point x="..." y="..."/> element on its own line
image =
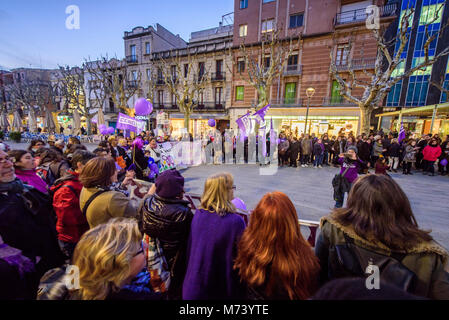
<point x="211" y="248"/>
<point x="109" y="257"/>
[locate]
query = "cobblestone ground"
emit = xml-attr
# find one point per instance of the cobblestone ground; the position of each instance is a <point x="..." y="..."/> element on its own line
<point x="311" y="191"/>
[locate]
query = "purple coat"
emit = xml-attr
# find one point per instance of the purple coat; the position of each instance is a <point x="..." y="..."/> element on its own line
<point x="211" y="250"/>
<point x="352" y="173"/>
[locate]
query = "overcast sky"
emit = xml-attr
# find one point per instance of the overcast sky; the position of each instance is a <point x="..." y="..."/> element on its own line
<point x="33" y="33"/>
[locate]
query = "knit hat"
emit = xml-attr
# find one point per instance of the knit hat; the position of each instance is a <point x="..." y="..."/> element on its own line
<point x="353" y="148"/>
<point x="169" y="184"/>
<point x="377" y="137"/>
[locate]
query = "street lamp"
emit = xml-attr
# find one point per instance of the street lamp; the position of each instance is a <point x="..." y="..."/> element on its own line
<point x="309" y="92"/>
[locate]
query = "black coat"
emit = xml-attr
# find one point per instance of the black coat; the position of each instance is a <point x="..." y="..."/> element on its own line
<point x="140" y="161"/>
<point x="395" y="150"/>
<point x="365" y="151"/>
<point x="168" y="220"/>
<point x="294" y="149"/>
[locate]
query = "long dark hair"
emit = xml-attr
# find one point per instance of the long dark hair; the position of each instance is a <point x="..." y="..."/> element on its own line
<point x="272" y="251"/>
<point x="379" y="211"/>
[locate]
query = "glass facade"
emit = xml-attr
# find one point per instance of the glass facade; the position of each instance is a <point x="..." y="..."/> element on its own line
<point x="444" y="95"/>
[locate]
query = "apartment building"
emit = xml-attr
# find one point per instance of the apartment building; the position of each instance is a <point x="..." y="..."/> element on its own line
<point x="318" y="28"/>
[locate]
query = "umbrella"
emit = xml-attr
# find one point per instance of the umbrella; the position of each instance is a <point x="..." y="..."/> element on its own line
<point x="32" y="121"/>
<point x="49" y="123"/>
<point x="4" y="123"/>
<point x="76" y="123"/>
<point x="17" y="121"/>
<point x="100" y="119"/>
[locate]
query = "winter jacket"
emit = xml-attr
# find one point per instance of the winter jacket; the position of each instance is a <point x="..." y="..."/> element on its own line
<point x="306" y="146"/>
<point x="283" y="145"/>
<point x="107" y="205"/>
<point x="71" y="223"/>
<point x="211" y="251"/>
<point x="169" y="221"/>
<point x="339" y="146"/>
<point x="365" y="151"/>
<point x="377" y="148"/>
<point x="381" y="168"/>
<point x="431" y="153"/>
<point x="410" y="154"/>
<point x="31" y="178"/>
<point x="294" y="149"/>
<point x="354" y="166"/>
<point x="427" y="260"/>
<point x="386" y="143"/>
<point x="394" y="150"/>
<point x="318" y="149"/>
<point x="27" y="223"/>
<point x="327" y="145"/>
<point x="141" y="162"/>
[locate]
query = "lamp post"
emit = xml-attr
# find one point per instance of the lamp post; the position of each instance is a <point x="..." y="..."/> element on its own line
<point x="309" y="92"/>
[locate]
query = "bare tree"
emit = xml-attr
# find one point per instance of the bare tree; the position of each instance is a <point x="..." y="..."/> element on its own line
<point x="386" y="68"/>
<point x="266" y="62"/>
<point x="440" y="86"/>
<point x="185" y="79"/>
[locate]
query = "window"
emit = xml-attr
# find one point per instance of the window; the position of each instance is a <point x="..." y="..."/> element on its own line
<point x="266" y="1"/>
<point x="342" y="55"/>
<point x="174" y="101"/>
<point x="134" y="74"/>
<point x="444" y="96"/>
<point x="241" y="65"/>
<point x="160" y="75"/>
<point x="219" y="67"/>
<point x="293" y="60"/>
<point x="218" y="93"/>
<point x="290" y="92"/>
<point x="243" y="4"/>
<point x="173" y="72"/>
<point x="201" y="97"/>
<point x="133" y="50"/>
<point x="267" y="25"/>
<point x="243" y="31"/>
<point x="148" y="74"/>
<point x="335" y="94"/>
<point x="266" y="62"/>
<point x="186" y="70"/>
<point x="201" y="70"/>
<point x="296" y="20"/>
<point x="239" y="93"/>
<point x="429" y="13"/>
<point x="160" y="97"/>
<point x="147" y="48"/>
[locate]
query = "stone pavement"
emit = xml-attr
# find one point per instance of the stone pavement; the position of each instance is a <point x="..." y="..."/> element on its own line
<point x="311" y="192"/>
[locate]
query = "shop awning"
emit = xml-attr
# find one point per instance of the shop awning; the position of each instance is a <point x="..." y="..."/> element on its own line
<point x="426" y="111"/>
<point x="220" y="116"/>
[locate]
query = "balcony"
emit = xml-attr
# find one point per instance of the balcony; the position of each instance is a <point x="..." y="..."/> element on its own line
<point x="293" y="70"/>
<point x="160" y="81"/>
<point x="133" y="84"/>
<point x="131" y="59"/>
<point x="360" y="15"/>
<point x="165" y="106"/>
<point x="286" y="102"/>
<point x="358" y="64"/>
<point x="201" y="77"/>
<point x="111" y="111"/>
<point x="218" y="76"/>
<point x="337" y="101"/>
<point x="210" y="106"/>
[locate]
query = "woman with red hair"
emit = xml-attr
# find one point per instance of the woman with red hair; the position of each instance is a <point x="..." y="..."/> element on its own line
<point x="273" y="259"/>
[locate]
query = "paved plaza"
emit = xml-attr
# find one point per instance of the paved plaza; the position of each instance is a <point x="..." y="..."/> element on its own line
<point x="311" y="191"/>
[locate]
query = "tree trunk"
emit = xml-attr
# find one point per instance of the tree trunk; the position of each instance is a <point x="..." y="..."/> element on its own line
<point x="365" y="118"/>
<point x="89" y="126"/>
<point x="186" y="120"/>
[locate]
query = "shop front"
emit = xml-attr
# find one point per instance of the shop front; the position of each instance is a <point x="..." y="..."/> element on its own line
<point x="320" y="120"/>
<point x="198" y="124"/>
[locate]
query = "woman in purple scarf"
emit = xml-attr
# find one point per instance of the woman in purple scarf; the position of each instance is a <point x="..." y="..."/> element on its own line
<point x="25" y="169"/>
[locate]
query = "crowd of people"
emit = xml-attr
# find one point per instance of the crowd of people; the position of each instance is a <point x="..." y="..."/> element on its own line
<point x="62" y="205"/>
<point x="379" y="151"/>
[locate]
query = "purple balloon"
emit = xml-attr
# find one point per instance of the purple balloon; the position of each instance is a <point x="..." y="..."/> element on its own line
<point x="143" y="107"/>
<point x="102" y="127"/>
<point x="443" y="162"/>
<point x="110" y="130"/>
<point x="239" y="204"/>
<point x="211" y="123"/>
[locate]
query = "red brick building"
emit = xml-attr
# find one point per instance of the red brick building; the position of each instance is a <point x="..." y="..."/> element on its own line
<point x="324" y="26"/>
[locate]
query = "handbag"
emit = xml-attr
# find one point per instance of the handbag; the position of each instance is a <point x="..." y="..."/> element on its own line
<point x="157" y="265"/>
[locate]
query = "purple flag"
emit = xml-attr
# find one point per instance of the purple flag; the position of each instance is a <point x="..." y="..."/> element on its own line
<point x="401" y="133"/>
<point x="260" y="115"/>
<point x="244" y="123"/>
<point x="125" y="122"/>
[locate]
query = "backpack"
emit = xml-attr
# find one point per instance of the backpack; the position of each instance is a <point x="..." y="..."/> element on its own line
<point x="349" y="260"/>
<point x="47" y="174"/>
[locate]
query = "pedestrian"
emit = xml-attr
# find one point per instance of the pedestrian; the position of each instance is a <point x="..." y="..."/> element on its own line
<point x="422" y="143"/>
<point x="59" y="147"/>
<point x="338" y="148"/>
<point x="139" y="160"/>
<point x="430" y="154"/>
<point x="270" y="273"/>
<point x="71" y="223"/>
<point x="108" y="258"/>
<point x="410" y="156"/>
<point x="306" y="148"/>
<point x="211" y="247"/>
<point x="99" y="201"/>
<point x="26" y="222"/>
<point x="350" y="143"/>
<point x="350" y="165"/>
<point x="318" y="152"/>
<point x="365" y="150"/>
<point x="283" y="148"/>
<point x="51" y="166"/>
<point x="382" y="227"/>
<point x="167" y="217"/>
<point x="378" y="149"/>
<point x="35" y="145"/>
<point x="25" y="170"/>
<point x="381" y="166"/>
<point x="394" y="153"/>
<point x="294" y="152"/>
<point x="326" y="143"/>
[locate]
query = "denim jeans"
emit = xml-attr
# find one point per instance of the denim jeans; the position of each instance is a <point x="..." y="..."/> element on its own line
<point x="318" y="160"/>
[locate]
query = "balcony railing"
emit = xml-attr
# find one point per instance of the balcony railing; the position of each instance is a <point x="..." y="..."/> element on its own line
<point x="133" y="84"/>
<point x="293" y="70"/>
<point x="200" y="77"/>
<point x="111" y="110"/>
<point x="218" y="76"/>
<point x="131" y="59"/>
<point x="165" y="106"/>
<point x="358" y="64"/>
<point x="160" y="81"/>
<point x="286" y="102"/>
<point x="337" y="101"/>
<point x="210" y="106"/>
<point x="360" y="14"/>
